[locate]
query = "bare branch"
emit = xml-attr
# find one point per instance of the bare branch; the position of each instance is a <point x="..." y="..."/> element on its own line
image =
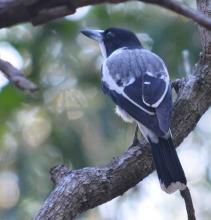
<point x="184" y="10"/>
<point x="39" y="12"/>
<point x="79" y="190"/>
<point x="16" y="77"/>
<point x="205" y="8"/>
<point x="188" y="203"/>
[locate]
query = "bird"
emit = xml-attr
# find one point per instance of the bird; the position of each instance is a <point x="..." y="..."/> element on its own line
<point x="138" y="82"/>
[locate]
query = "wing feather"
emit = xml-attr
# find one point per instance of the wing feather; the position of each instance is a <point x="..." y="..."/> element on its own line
<point x="138" y="82"/>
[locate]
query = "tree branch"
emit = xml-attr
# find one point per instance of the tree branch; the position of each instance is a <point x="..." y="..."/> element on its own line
<point x="39" y="11"/>
<point x="16" y="77"/>
<point x="79" y="190"/>
<point x="188" y="203"/>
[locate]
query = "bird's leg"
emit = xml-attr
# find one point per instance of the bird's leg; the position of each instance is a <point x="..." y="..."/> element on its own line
<point x="135" y="138"/>
<point x="177" y="85"/>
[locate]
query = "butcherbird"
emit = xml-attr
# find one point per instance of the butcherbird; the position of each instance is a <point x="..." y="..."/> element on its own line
<point x="138" y="82"/>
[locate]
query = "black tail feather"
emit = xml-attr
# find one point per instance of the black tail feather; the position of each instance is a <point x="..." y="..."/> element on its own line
<point x="168" y="166"/>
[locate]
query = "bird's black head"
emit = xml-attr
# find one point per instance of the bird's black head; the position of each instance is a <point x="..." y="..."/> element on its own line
<point x="113" y="39"/>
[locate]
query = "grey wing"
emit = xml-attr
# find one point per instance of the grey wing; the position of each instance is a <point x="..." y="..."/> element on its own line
<point x="163" y="111"/>
<point x="156" y="88"/>
<point x="141" y="78"/>
<point x="155" y="78"/>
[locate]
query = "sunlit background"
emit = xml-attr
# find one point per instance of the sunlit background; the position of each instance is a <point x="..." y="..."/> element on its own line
<point x="70" y="120"/>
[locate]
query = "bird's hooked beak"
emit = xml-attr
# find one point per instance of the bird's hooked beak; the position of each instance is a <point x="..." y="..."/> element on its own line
<point x="93" y="34"/>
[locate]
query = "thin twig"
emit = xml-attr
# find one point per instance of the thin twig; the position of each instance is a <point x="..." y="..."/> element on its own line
<point x="16" y="77"/>
<point x="184" y="10"/>
<point x="186" y="195"/>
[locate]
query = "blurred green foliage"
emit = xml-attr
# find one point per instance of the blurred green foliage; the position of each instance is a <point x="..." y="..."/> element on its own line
<point x="70" y="120"/>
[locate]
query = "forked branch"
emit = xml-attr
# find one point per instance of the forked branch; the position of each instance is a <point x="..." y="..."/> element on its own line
<point x="79" y="190"/>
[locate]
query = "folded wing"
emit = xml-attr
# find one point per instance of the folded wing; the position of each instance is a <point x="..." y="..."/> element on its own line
<point x="138" y="82"/>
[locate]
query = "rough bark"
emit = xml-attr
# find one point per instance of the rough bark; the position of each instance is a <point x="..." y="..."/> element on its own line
<point x="79" y="190"/>
<point x="39" y="11"/>
<point x="205" y="8"/>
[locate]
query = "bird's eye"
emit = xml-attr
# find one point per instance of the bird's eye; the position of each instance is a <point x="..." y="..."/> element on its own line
<point x="109" y="35"/>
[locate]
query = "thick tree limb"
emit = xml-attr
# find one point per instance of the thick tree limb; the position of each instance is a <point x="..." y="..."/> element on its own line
<point x="16" y="77"/>
<point x="205" y="8"/>
<point x="39" y="11"/>
<point x="79" y="190"/>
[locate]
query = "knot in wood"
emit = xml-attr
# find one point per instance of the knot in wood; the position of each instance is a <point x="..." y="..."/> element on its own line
<point x="57" y="173"/>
